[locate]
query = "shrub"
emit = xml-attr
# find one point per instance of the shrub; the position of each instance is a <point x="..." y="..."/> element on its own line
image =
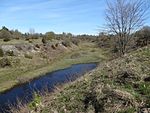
<point x="50" y="35"/>
<point x="143" y="36"/>
<point x="37" y="45"/>
<point x="5" y="34"/>
<point x="105" y="42"/>
<point x="9" y="62"/>
<point x="66" y="43"/>
<point x="10" y="53"/>
<point x="53" y="46"/>
<point x="75" y="41"/>
<point x="142" y="41"/>
<point x="56" y="45"/>
<point x="6" y="39"/>
<point x="4" y="62"/>
<point x="44" y="41"/>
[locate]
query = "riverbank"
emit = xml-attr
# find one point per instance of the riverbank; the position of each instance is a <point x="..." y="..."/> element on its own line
<point x="121" y="85"/>
<point x="25" y="92"/>
<point x="31" y="68"/>
<point x="118" y="86"/>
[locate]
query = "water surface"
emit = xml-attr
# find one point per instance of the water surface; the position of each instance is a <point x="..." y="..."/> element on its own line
<point x="24" y="92"/>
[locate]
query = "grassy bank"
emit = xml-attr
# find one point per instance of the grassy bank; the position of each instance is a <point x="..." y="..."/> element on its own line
<point x="118" y="86"/>
<point x="31" y="68"/>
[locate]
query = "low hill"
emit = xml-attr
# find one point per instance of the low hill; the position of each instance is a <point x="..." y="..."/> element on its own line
<point x="118" y="86"/>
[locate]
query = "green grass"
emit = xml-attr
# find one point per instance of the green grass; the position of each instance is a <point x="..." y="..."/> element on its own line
<point x="31" y="68"/>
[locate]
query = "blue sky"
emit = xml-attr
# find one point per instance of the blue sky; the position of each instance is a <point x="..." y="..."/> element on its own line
<point x="75" y="16"/>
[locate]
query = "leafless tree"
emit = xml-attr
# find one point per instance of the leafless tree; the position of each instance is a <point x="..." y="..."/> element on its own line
<point x="123" y="17"/>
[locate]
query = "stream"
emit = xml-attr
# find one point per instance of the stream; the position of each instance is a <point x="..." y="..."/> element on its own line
<point x="24" y="92"/>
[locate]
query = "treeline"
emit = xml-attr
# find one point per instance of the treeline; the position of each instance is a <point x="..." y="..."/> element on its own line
<point x="143" y="36"/>
<point x="8" y="35"/>
<point x="138" y="39"/>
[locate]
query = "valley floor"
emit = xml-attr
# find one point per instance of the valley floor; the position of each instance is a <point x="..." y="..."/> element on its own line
<point x="30" y="68"/>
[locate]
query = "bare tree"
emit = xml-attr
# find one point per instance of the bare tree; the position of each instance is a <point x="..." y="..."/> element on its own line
<point x="124" y="17"/>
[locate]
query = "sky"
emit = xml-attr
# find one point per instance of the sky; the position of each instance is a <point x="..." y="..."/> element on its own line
<point x="75" y="16"/>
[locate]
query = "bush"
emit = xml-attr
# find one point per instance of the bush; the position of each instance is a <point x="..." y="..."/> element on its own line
<point x="6" y="39"/>
<point x="53" y="46"/>
<point x="105" y="42"/>
<point x="5" y="34"/>
<point x="9" y="62"/>
<point x="1" y="53"/>
<point x="75" y="41"/>
<point x="56" y="45"/>
<point x="143" y="36"/>
<point x="44" y="41"/>
<point x="37" y="46"/>
<point x="66" y="43"/>
<point x="10" y="53"/>
<point x="4" y="62"/>
<point x="142" y="41"/>
<point x="50" y="35"/>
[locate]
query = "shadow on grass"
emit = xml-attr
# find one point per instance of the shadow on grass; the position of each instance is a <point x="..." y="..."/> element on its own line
<point x="91" y="99"/>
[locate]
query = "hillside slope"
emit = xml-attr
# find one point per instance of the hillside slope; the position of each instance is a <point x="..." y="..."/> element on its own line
<point x="121" y="85"/>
